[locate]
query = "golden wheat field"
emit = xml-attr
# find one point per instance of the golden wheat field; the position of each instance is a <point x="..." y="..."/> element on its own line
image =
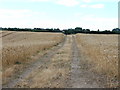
<point x="19" y="47"/>
<point x="102" y="52"/>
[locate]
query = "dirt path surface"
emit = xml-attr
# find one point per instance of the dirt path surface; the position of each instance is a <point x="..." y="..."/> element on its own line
<point x="80" y="78"/>
<point x="59" y="68"/>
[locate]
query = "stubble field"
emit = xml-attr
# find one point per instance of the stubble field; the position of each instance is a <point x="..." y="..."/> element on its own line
<point x="101" y="52"/>
<point x="19" y="48"/>
<point x="49" y="60"/>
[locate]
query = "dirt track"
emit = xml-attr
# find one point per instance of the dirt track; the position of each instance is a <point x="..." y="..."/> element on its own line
<point x="79" y="77"/>
<point x="3" y="34"/>
<point x="60" y="68"/>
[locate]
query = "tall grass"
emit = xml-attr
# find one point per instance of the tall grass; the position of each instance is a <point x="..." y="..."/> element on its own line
<point x="21" y="48"/>
<point x="55" y="73"/>
<point x="102" y="51"/>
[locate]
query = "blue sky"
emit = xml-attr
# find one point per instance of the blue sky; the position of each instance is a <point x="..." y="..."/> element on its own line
<point x="63" y="14"/>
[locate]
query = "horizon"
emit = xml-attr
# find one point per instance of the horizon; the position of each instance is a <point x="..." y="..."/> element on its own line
<point x="58" y="28"/>
<point x="62" y="14"/>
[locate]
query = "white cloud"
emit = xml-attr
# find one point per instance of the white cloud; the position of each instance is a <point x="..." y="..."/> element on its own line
<point x="92" y="6"/>
<point x="97" y="6"/>
<point x="20" y="17"/>
<point x="27" y="18"/>
<point x="78" y="14"/>
<point x="5" y="13"/>
<point x="94" y="22"/>
<point x="91" y="1"/>
<point x="39" y="0"/>
<point x="101" y="23"/>
<point x="68" y="2"/>
<point x="87" y="1"/>
<point x="13" y="18"/>
<point x="24" y="0"/>
<point x="74" y="1"/>
<point x="84" y="5"/>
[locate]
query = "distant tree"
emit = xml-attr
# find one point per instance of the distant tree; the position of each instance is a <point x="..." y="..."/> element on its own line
<point x="87" y="30"/>
<point x="69" y="31"/>
<point x="116" y="30"/>
<point x="49" y="30"/>
<point x="78" y="29"/>
<point x="83" y="30"/>
<point x="98" y="30"/>
<point x="56" y="30"/>
<point x="0" y="28"/>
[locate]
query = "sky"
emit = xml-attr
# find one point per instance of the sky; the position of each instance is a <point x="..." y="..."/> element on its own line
<point x="63" y="14"/>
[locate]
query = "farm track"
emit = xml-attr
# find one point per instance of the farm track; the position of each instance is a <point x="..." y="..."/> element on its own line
<point x="78" y="78"/>
<point x="44" y="60"/>
<point x="6" y="34"/>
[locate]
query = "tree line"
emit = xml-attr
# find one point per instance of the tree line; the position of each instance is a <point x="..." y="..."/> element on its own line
<point x="88" y="31"/>
<point x="65" y="31"/>
<point x="32" y="30"/>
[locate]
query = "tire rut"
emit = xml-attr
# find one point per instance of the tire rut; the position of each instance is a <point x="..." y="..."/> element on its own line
<point x="43" y="61"/>
<point x="79" y="78"/>
<point x="6" y="34"/>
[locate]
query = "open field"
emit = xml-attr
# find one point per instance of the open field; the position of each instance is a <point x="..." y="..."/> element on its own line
<point x="53" y="60"/>
<point x="21" y="47"/>
<point x="101" y="51"/>
<point x="54" y="73"/>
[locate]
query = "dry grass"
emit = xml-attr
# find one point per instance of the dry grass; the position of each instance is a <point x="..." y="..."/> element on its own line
<point x="56" y="73"/>
<point x="102" y="51"/>
<point x="19" y="47"/>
